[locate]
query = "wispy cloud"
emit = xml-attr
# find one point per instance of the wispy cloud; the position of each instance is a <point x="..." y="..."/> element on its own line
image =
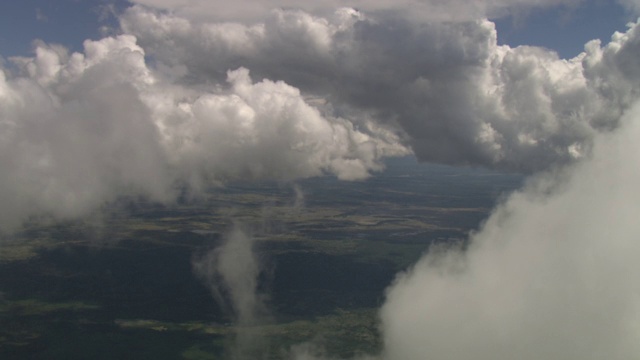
<point x="41" y="16"/>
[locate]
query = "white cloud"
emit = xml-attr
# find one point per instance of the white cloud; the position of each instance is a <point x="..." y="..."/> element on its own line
<point x="82" y="129"/>
<point x="267" y="130"/>
<point x="550" y="275"/>
<point x="76" y="133"/>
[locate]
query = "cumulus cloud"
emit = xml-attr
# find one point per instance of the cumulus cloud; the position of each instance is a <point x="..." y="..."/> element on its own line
<point x="75" y="132"/>
<point x="267" y="130"/>
<point x="421" y="10"/>
<point x="84" y="128"/>
<point x="551" y="274"/>
<point x="457" y="96"/>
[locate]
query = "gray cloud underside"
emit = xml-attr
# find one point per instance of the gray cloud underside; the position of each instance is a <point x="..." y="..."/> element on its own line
<point x="414" y="10"/>
<point x="457" y="96"/>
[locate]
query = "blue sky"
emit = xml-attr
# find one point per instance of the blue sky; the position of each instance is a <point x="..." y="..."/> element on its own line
<point x="70" y="22"/>
<point x="564" y="30"/>
<point x="67" y="22"/>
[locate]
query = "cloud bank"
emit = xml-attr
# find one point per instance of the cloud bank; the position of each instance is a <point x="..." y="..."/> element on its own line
<point x="174" y="104"/>
<point x="550" y="275"/>
<point x="420" y="10"/>
<point x="457" y="96"/>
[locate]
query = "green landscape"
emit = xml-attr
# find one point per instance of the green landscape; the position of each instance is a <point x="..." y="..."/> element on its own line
<point x="122" y="283"/>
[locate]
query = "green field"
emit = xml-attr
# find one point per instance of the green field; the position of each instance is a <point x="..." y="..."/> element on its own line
<point x="121" y="283"/>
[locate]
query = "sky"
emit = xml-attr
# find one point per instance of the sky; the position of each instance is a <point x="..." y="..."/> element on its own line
<point x="67" y="22"/>
<point x="564" y="29"/>
<point x="172" y="97"/>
